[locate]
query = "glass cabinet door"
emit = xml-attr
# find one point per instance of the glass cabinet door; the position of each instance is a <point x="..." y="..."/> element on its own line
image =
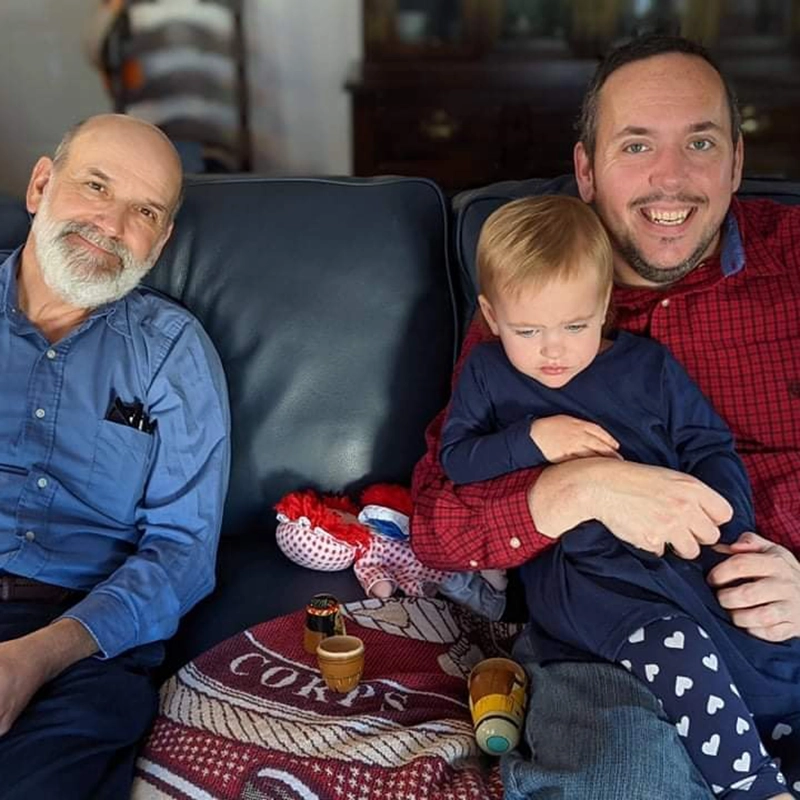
<point x="582" y="28"/>
<point x="425" y="28"/>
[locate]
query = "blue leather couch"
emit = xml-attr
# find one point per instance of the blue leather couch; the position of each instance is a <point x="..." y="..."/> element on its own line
<point x="337" y="306"/>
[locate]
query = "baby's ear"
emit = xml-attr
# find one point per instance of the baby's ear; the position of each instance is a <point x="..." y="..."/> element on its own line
<point x="488" y="314"/>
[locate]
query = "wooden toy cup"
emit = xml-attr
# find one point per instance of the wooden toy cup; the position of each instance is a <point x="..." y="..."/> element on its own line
<point x="323" y="619"/>
<point x="497" y="704"/>
<point x="341" y="661"/>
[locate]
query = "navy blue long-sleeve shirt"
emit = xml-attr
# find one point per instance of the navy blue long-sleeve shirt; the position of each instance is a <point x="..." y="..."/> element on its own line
<point x="634" y="389"/>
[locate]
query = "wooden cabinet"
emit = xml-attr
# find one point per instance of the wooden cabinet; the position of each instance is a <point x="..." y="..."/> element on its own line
<point x="768" y="89"/>
<point x="464" y="124"/>
<point x="467" y="92"/>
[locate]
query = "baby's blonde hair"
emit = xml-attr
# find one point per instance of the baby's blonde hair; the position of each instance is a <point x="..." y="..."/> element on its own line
<point x="529" y="242"/>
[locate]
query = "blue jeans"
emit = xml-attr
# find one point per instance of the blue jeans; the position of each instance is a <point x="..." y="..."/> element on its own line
<point x="78" y="737"/>
<point x="594" y="732"/>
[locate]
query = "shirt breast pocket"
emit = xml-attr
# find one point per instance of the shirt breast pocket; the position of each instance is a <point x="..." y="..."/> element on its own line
<point x="119" y="469"/>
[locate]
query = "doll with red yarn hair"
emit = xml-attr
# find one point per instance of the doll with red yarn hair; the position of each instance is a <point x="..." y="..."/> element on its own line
<point x="331" y="532"/>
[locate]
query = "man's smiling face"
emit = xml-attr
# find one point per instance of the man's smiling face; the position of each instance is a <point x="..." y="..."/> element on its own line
<point x="104" y="212"/>
<point x="664" y="166"/>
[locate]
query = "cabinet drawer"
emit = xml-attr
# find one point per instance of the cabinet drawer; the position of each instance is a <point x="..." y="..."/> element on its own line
<point x="433" y="130"/>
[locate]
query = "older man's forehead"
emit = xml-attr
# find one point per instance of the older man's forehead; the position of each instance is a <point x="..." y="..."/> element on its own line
<point x="140" y="163"/>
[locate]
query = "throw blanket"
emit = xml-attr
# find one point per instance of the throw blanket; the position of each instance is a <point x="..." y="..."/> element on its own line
<point x="253" y="719"/>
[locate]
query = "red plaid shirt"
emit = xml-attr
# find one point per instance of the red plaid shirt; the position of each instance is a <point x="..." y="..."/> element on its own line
<point x="735" y="328"/>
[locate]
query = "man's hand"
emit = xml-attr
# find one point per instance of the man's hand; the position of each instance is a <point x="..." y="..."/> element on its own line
<point x="759" y="584"/>
<point x="27" y="663"/>
<point x="562" y="437"/>
<point x="648" y="507"/>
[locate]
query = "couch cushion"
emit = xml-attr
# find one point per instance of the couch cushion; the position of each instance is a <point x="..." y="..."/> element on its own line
<point x="330" y="304"/>
<point x="14" y="223"/>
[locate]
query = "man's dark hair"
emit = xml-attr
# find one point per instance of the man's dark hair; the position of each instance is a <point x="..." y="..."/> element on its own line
<point x="637" y="50"/>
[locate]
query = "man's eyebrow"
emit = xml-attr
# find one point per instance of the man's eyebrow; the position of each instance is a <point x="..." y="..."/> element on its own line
<point x="632" y="130"/>
<point x="98" y="173"/>
<point x="701" y="127"/>
<point x="695" y="127"/>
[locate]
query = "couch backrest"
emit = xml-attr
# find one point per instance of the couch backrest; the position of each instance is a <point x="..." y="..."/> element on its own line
<point x="14" y="223"/>
<point x="330" y="303"/>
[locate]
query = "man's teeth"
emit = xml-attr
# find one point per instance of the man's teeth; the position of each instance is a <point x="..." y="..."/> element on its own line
<point x="667" y="217"/>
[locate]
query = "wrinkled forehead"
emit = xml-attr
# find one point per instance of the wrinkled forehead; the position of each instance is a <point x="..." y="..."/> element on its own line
<point x="135" y="159"/>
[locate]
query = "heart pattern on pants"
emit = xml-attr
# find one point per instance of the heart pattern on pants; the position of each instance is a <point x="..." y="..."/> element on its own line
<point x="650" y="671"/>
<point x="742" y="764"/>
<point x="714" y="704"/>
<point x="711" y="747"/>
<point x="676" y="641"/>
<point x="690" y="680"/>
<point x="742" y="726"/>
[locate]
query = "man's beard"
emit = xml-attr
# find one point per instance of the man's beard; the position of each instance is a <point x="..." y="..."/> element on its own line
<point x="77" y="274"/>
<point x="654" y="274"/>
<point x="627" y="249"/>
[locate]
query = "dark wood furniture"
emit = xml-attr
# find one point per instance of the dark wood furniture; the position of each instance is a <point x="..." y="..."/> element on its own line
<point x="466" y="92"/>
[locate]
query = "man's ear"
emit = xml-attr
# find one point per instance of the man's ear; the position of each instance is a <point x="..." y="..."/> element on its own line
<point x="165" y="238"/>
<point x="584" y="174"/>
<point x="40" y="177"/>
<point x="738" y="162"/>
<point x="488" y="314"/>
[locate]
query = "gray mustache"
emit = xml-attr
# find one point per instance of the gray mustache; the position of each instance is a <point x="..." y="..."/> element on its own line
<point x="93" y="235"/>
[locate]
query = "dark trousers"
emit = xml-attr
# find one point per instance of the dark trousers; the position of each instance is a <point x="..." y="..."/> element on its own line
<point x="78" y="737"/>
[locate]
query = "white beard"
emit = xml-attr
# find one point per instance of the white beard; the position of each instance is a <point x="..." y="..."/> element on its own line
<point x="78" y="275"/>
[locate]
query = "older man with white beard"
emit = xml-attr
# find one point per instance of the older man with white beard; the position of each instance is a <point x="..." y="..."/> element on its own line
<point x="114" y="457"/>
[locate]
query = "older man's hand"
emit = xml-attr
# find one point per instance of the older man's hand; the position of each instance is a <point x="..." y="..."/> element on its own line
<point x="27" y="663"/>
<point x="759" y="584"/>
<point x="20" y="679"/>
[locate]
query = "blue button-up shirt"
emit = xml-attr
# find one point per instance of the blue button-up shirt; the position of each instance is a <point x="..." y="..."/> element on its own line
<point x="129" y="516"/>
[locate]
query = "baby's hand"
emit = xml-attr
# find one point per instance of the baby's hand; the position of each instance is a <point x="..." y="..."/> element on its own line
<point x="562" y="438"/>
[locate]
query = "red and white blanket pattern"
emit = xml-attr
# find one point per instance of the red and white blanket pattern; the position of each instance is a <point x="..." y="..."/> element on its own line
<point x="253" y="719"/>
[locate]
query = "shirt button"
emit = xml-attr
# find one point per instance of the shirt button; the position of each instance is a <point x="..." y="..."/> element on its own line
<point x="665" y="303"/>
<point x="515" y="543"/>
<point x="42" y="483"/>
<point x="473" y="564"/>
<point x="40" y="413"/>
<point x="51" y="354"/>
<point x="30" y="535"/>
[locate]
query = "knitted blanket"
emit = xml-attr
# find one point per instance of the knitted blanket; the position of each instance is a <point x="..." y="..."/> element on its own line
<point x="253" y="719"/>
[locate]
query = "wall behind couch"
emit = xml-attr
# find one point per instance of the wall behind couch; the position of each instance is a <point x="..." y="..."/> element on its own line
<point x="47" y="82"/>
<point x="298" y="53"/>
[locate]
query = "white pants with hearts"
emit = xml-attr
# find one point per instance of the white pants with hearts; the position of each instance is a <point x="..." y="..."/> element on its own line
<point x="682" y="667"/>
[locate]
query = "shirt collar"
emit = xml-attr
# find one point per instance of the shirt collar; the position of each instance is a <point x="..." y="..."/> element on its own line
<point x="732" y="249"/>
<point x="8" y="282"/>
<point x="741" y="229"/>
<point x="116" y="314"/>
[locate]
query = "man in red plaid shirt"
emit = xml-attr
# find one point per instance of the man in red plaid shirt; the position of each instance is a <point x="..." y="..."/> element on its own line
<point x="718" y="281"/>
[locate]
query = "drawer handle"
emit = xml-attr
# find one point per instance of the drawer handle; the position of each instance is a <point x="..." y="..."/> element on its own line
<point x="439" y="126"/>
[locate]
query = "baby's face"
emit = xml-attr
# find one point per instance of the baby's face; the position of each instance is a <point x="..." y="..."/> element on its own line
<point x="552" y="332"/>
